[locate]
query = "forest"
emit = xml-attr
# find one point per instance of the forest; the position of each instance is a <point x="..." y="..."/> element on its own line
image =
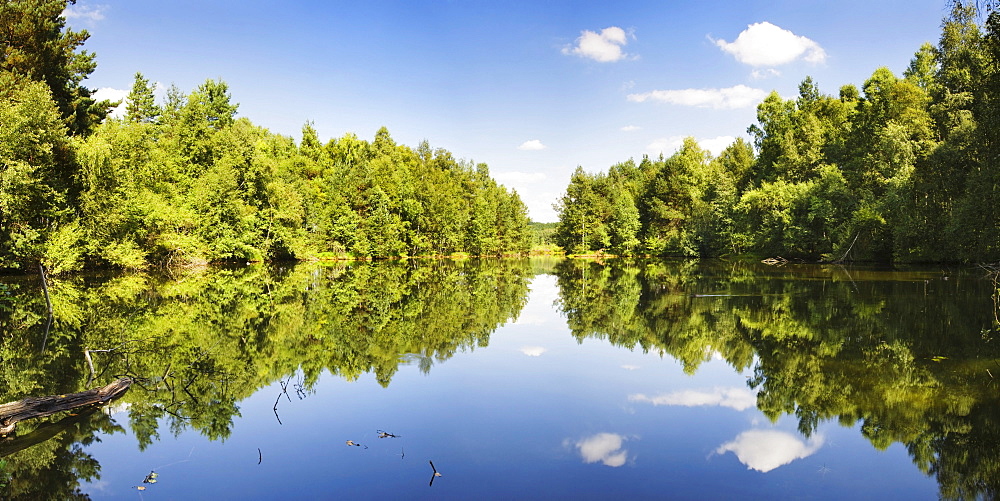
<point x="187" y="181"/>
<point x="904" y="169"/>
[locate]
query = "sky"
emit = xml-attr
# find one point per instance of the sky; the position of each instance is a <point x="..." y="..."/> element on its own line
<point x="532" y="89"/>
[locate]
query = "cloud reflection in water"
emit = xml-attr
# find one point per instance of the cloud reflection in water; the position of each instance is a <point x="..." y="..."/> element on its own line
<point x="765" y="450"/>
<point x="734" y="398"/>
<point x="603" y="447"/>
<point x="533" y="351"/>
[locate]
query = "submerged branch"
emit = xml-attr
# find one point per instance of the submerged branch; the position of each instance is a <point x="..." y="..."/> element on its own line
<point x="32" y="407"/>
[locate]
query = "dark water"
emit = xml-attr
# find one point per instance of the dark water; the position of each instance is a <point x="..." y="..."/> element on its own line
<point x="519" y="379"/>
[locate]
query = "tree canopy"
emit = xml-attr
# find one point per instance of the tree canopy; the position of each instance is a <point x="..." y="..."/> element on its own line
<point x="188" y="180"/>
<point x="904" y="169"/>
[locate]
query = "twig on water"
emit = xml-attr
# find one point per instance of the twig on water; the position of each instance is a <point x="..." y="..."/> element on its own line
<point x="284" y="390"/>
<point x="276" y="408"/>
<point x="48" y="303"/>
<point x="436" y="474"/>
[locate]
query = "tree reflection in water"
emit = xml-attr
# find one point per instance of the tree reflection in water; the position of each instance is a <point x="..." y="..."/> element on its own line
<point x="905" y="354"/>
<point x="201" y="342"/>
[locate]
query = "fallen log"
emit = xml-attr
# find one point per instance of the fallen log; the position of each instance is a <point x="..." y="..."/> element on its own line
<point x="32" y="407"/>
<point x="10" y="445"/>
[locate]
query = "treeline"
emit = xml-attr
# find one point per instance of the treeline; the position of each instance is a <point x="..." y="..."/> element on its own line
<point x="905" y="169"/>
<point x="186" y="181"/>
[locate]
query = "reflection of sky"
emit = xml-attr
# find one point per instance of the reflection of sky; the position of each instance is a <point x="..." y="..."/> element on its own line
<point x="532" y="351"/>
<point x="494" y="421"/>
<point x="603" y="447"/>
<point x="734" y="398"/>
<point x="765" y="450"/>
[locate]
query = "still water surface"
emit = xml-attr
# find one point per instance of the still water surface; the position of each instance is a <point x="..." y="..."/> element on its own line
<point x="518" y="379"/>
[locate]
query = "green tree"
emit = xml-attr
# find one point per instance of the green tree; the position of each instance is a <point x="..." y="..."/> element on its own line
<point x="35" y="180"/>
<point x="141" y="102"/>
<point x="35" y="43"/>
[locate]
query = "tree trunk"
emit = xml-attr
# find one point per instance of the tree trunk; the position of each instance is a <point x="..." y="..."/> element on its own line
<point x="32" y="407"/>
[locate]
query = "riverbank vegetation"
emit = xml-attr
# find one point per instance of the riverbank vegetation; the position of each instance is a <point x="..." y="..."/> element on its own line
<point x="188" y="181"/>
<point x="904" y="169"/>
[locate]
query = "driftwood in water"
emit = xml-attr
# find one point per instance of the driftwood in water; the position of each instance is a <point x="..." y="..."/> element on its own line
<point x="10" y="445"/>
<point x="32" y="407"/>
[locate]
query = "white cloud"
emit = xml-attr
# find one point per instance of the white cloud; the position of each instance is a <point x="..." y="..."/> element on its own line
<point x="716" y="145"/>
<point x="765" y="450"/>
<point x="739" y="96"/>
<point x="603" y="447"/>
<point x="89" y="13"/>
<point x="764" y="45"/>
<point x="734" y="398"/>
<point x="605" y="47"/>
<point x="533" y="351"/>
<point x="630" y="367"/>
<point x="630" y="128"/>
<point x="765" y="73"/>
<point x="113" y="95"/>
<point x="669" y="145"/>
<point x="533" y="145"/>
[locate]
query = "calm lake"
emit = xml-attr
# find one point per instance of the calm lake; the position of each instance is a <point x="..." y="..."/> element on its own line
<point x="518" y="379"/>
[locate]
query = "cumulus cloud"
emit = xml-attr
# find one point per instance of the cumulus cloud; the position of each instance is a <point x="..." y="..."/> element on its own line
<point x="603" y="447"/>
<point x="765" y="450"/>
<point x="533" y="351"/>
<point x="669" y="145"/>
<point x="630" y="128"/>
<point x="716" y="145"/>
<point x="90" y="13"/>
<point x="605" y="47"/>
<point x="739" y="96"/>
<point x="532" y="145"/>
<point x="765" y="45"/>
<point x="113" y="95"/>
<point x="734" y="398"/>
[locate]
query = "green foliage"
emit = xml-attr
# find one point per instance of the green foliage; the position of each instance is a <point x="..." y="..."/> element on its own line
<point x="141" y="102"/>
<point x="202" y="342"/>
<point x="35" y="176"/>
<point x="37" y="45"/>
<point x="905" y="170"/>
<point x="189" y="182"/>
<point x="884" y="350"/>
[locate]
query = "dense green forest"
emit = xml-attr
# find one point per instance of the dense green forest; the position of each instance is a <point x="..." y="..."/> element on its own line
<point x="905" y="169"/>
<point x="187" y="181"/>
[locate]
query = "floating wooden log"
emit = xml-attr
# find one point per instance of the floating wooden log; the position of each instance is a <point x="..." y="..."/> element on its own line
<point x="33" y="407"/>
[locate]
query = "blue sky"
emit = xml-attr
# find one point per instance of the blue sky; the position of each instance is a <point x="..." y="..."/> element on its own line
<point x="533" y="89"/>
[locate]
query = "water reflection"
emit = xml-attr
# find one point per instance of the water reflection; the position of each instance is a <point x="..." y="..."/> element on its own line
<point x="733" y="398"/>
<point x="765" y="450"/>
<point x="201" y="342"/>
<point x="533" y="351"/>
<point x="604" y="447"/>
<point x="904" y="354"/>
<point x="906" y="357"/>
